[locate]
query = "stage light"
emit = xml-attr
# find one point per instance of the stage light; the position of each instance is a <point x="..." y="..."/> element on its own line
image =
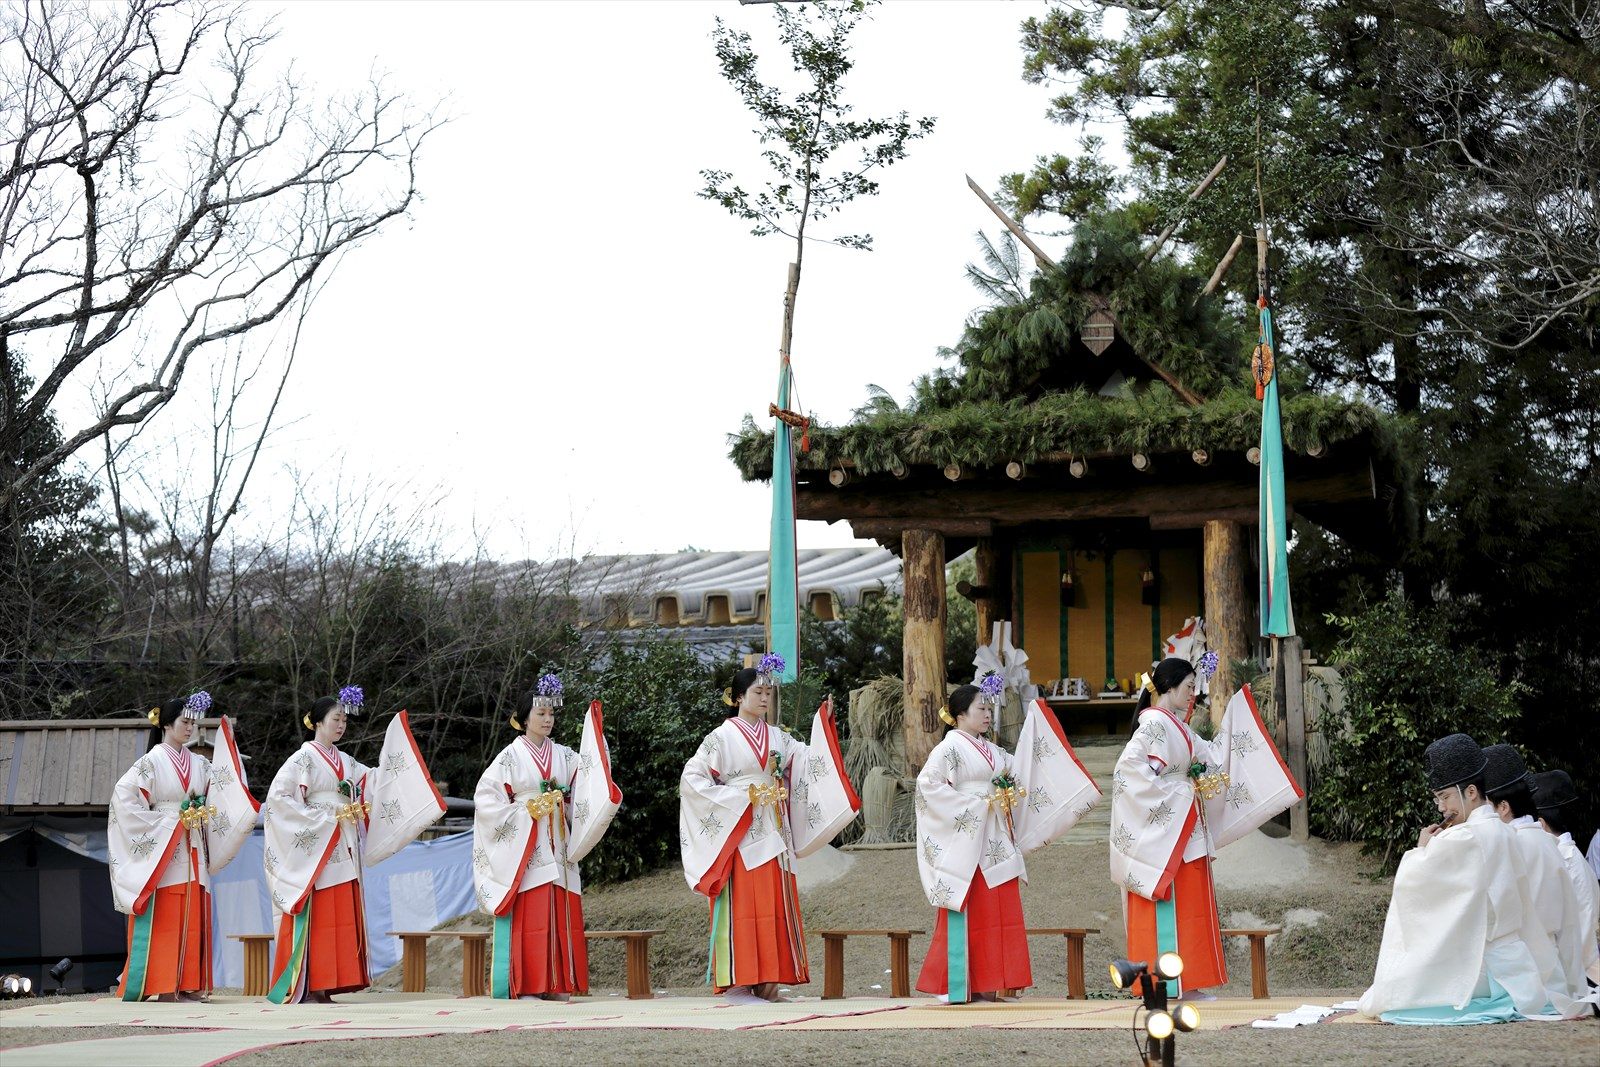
<point x="1169" y="965"/>
<point x="1159" y="1025"/>
<point x="1125" y="972"/>
<point x="10" y="986"/>
<point x="27" y="986"/>
<point x="1186" y="1018"/>
<point x="59" y="971"/>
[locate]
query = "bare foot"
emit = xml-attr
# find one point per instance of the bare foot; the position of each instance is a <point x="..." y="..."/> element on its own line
<point x="768" y="991"/>
<point x="191" y="997"/>
<point x="167" y="998"/>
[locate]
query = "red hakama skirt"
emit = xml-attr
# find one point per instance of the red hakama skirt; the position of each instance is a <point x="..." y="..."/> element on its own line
<point x="336" y="945"/>
<point x="759" y="926"/>
<point x="548" y="954"/>
<point x="997" y="942"/>
<point x="1199" y="930"/>
<point x="180" y="942"/>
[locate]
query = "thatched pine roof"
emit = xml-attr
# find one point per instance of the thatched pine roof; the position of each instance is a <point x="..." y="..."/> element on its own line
<point x="1024" y="386"/>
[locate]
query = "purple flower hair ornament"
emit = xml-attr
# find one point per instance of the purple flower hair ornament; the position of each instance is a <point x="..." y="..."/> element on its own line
<point x="197" y="705"/>
<point x="991" y="686"/>
<point x="351" y="699"/>
<point x="770" y="667"/>
<point x="1208" y="664"/>
<point x="548" y="691"/>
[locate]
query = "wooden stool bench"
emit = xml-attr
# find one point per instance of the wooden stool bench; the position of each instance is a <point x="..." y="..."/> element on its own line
<point x="638" y="942"/>
<point x="1074" y="936"/>
<point x="257" y="963"/>
<point x="1258" y="957"/>
<point x="899" y="960"/>
<point x="414" y="959"/>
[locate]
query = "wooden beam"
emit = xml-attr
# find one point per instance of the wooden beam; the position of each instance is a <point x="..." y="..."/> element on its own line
<point x="1194" y="520"/>
<point x="1230" y="617"/>
<point x="1223" y="265"/>
<point x="893" y="528"/>
<point x="1041" y="501"/>
<point x="922" y="571"/>
<point x="1044" y="261"/>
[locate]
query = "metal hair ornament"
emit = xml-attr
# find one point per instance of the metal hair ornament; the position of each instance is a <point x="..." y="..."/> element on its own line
<point x="197" y="705"/>
<point x="945" y="716"/>
<point x="547" y="693"/>
<point x="154" y="715"/>
<point x="1149" y="685"/>
<point x="306" y="721"/>
<point x="727" y="697"/>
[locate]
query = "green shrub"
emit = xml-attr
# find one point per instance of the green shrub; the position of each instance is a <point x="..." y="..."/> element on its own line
<point x="1407" y="684"/>
<point x="660" y="701"/>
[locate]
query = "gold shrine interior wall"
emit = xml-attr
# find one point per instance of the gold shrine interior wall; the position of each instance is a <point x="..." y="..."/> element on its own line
<point x="1108" y="631"/>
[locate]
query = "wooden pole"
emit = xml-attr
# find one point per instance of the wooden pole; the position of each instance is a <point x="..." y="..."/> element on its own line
<point x="1229" y="618"/>
<point x="922" y="569"/>
<point x="1222" y="267"/>
<point x="1291" y="662"/>
<point x="1039" y="257"/>
<point x="1261" y="260"/>
<point x="1205" y="183"/>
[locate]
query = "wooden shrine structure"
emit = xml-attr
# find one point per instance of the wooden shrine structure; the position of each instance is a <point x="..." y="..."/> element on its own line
<point x="1107" y="498"/>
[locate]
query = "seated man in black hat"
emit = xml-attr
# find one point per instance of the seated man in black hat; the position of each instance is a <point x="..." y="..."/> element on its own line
<point x="1461" y="942"/>
<point x="1508" y="787"/>
<point x="1554" y="798"/>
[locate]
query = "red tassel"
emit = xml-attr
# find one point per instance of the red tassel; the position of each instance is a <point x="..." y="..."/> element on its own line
<point x="805" y="437"/>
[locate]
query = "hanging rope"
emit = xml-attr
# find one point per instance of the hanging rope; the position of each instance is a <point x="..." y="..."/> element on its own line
<point x="793" y="418"/>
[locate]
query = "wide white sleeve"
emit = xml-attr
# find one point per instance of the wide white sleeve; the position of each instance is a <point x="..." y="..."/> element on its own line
<point x="595" y="796"/>
<point x="503" y="834"/>
<point x="950" y="826"/>
<point x="822" y="800"/>
<point x="1259" y="783"/>
<point x="139" y="839"/>
<point x="237" y="812"/>
<point x="711" y="818"/>
<point x="1152" y="806"/>
<point x="1058" y="791"/>
<point x="403" y="798"/>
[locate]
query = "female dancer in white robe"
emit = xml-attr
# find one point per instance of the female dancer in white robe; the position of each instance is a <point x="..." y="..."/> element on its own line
<point x="539" y="809"/>
<point x="979" y="811"/>
<point x="754" y="801"/>
<point x="174" y="821"/>
<point x="327" y="817"/>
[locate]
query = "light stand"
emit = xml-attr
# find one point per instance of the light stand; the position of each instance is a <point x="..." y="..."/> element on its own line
<point x="1161" y="1022"/>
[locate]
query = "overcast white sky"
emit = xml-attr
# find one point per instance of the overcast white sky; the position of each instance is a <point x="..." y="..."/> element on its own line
<point x="564" y="333"/>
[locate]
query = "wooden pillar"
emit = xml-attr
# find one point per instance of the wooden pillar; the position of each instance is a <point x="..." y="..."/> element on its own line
<point x="1289" y="679"/>
<point x="1230" y="616"/>
<point x="984" y="578"/>
<point x="922" y="570"/>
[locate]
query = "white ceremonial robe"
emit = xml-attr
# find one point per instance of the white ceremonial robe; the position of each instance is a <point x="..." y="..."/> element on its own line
<point x="960" y="830"/>
<point x="309" y="847"/>
<point x="715" y="812"/>
<point x="1459" y="915"/>
<point x="146" y="841"/>
<point x="511" y="851"/>
<point x="1550" y="892"/>
<point x="1585" y="925"/>
<point x="237" y="812"/>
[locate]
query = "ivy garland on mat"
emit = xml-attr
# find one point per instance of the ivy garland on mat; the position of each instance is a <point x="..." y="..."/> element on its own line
<point x="995" y="404"/>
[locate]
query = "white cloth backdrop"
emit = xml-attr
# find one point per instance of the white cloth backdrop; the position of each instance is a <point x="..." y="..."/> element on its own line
<point x="419" y="887"/>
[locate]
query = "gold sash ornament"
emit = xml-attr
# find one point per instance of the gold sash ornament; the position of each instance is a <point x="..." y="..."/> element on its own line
<point x="360" y="809"/>
<point x="1207" y="786"/>
<point x="770" y="795"/>
<point x="197" y="815"/>
<point x="548" y="803"/>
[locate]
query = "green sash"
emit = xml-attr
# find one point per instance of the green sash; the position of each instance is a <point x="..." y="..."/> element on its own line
<point x="285" y="986"/>
<point x="719" y="965"/>
<point x="955" y="942"/>
<point x="139" y="952"/>
<point x="500" y="960"/>
<point x="1167" y="933"/>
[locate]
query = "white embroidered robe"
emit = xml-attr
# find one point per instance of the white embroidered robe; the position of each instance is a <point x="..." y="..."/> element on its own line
<point x="147" y="843"/>
<point x="714" y="797"/>
<point x="511" y="851"/>
<point x="960" y="831"/>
